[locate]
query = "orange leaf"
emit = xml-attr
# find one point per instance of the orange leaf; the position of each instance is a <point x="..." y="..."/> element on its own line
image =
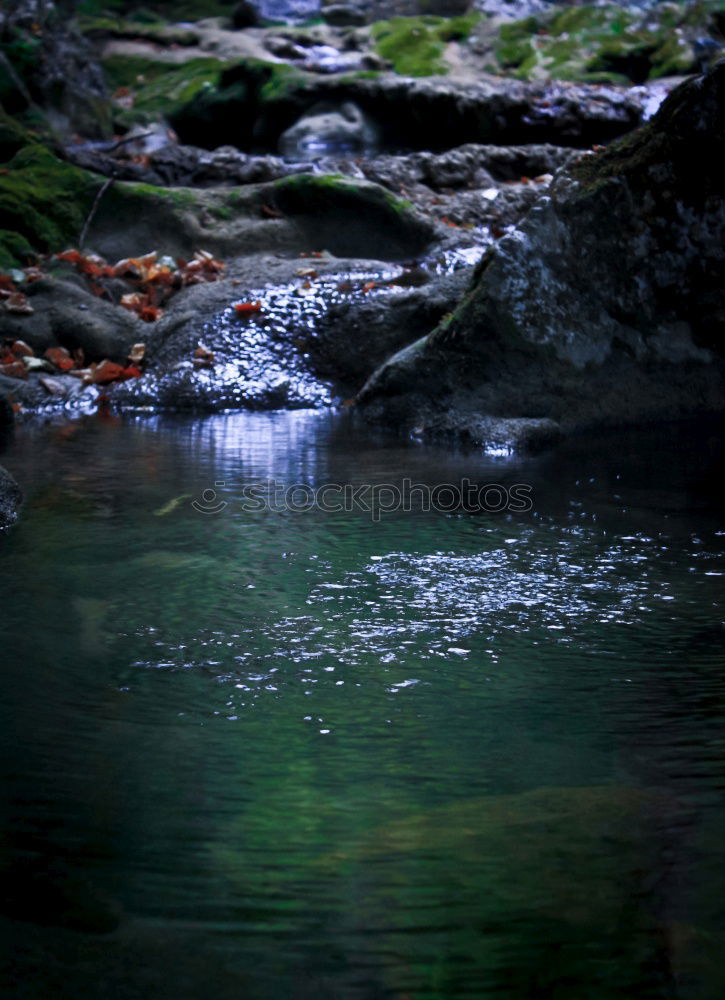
<point x="60" y="358"/>
<point x="17" y="303"/>
<point x="22" y="350"/>
<point x="107" y="371"/>
<point x="368" y="287"/>
<point x="248" y="308"/>
<point x="203" y="353"/>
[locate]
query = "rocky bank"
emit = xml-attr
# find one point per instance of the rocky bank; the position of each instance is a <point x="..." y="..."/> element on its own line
<point x="347" y="175"/>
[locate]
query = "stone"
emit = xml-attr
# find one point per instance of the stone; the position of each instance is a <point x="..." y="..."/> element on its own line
<point x="606" y="306"/>
<point x="245" y="15"/>
<point x="66" y="314"/>
<point x="328" y="128"/>
<point x="342" y="15"/>
<point x="10" y="499"/>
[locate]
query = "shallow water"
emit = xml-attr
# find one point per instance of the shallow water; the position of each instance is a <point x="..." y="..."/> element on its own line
<point x="265" y="752"/>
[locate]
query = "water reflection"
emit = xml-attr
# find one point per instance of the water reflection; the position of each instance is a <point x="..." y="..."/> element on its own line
<point x="285" y="753"/>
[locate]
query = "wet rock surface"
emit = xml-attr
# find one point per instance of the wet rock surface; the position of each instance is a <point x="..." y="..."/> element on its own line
<point x="561" y="327"/>
<point x="10" y="499"/>
<point x="66" y="313"/>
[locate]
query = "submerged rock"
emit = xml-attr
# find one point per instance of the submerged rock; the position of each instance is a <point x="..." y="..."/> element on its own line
<point x="10" y="499"/>
<point x="327" y="129"/>
<point x="605" y="306"/>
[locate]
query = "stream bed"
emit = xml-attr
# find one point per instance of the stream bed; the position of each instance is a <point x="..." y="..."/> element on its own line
<point x="255" y="748"/>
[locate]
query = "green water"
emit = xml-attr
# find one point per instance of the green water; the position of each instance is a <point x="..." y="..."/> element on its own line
<point x="271" y="754"/>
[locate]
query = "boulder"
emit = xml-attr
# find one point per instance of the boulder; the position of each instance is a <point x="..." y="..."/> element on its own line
<point x="10" y="499"/>
<point x="606" y="306"/>
<point x="329" y="128"/>
<point x="67" y="314"/>
<point x="245" y="15"/>
<point x="343" y="15"/>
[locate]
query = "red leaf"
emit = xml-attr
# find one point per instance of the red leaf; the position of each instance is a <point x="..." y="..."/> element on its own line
<point x="248" y="308"/>
<point x="107" y="371"/>
<point x="60" y="358"/>
<point x="15" y="370"/>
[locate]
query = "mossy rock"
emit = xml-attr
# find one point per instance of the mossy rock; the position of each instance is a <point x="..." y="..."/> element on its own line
<point x="410" y="45"/>
<point x="43" y="204"/>
<point x="416" y="45"/>
<point x="13" y="137"/>
<point x="251" y="104"/>
<point x="352" y="218"/>
<point x="160" y="33"/>
<point x="603" y="44"/>
<point x="160" y="89"/>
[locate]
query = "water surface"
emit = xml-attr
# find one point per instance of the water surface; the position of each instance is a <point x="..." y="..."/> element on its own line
<point x="294" y="753"/>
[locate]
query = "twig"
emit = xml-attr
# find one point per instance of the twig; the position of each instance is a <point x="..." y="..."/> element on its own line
<point x="94" y="208"/>
<point x="128" y="138"/>
<point x="9" y="69"/>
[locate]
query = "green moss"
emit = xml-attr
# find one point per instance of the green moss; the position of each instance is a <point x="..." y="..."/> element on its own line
<point x="458" y="29"/>
<point x="14" y="249"/>
<point x="43" y="202"/>
<point x="673" y="58"/>
<point x="306" y="192"/>
<point x="411" y="44"/>
<point x="416" y="45"/>
<point x="161" y="33"/>
<point x="13" y="137"/>
<point x="513" y="53"/>
<point x="160" y="87"/>
<point x="600" y="44"/>
<point x="516" y="31"/>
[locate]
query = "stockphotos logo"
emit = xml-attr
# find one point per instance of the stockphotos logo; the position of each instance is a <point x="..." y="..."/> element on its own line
<point x="375" y="499"/>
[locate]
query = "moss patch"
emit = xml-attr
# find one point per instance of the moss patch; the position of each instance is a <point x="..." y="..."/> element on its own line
<point x="43" y="204"/>
<point x="158" y="88"/>
<point x="337" y="213"/>
<point x="251" y="103"/>
<point x="416" y="45"/>
<point x="603" y="44"/>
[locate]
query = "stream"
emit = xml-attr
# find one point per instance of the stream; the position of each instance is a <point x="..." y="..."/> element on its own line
<point x="256" y="748"/>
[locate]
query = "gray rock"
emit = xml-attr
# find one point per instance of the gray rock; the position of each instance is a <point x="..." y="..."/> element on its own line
<point x="606" y="306"/>
<point x="343" y="15"/>
<point x="288" y="10"/>
<point x="329" y="128"/>
<point x="10" y="499"/>
<point x="68" y="314"/>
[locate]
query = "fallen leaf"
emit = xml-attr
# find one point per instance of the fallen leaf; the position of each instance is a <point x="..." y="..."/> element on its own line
<point x="172" y="505"/>
<point x="137" y="353"/>
<point x="202" y="353"/>
<point x="60" y="358"/>
<point x="22" y="350"/>
<point x="37" y="365"/>
<point x="17" y="303"/>
<point x="368" y="287"/>
<point x="16" y="369"/>
<point x="248" y="308"/>
<point x="107" y="371"/>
